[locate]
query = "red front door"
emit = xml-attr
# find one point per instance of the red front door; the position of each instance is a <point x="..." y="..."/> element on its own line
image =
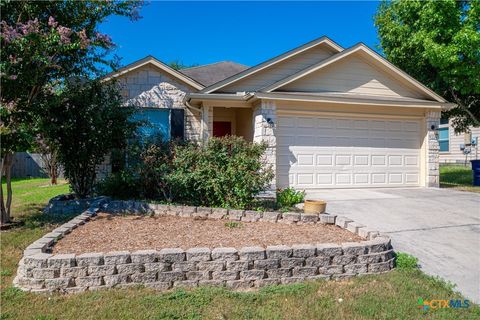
<point x="222" y="128"/>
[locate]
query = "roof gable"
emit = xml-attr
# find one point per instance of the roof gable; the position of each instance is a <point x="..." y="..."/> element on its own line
<point x="357" y="70"/>
<point x="325" y="43"/>
<point x="151" y="61"/>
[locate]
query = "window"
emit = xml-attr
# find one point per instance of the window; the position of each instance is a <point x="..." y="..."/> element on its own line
<point x="156" y="122"/>
<point x="168" y="123"/>
<point x="443" y="139"/>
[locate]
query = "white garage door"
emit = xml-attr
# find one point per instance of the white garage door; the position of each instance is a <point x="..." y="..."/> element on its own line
<point x="335" y="152"/>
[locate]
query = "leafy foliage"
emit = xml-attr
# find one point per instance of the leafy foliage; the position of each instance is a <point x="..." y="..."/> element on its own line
<point x="437" y="43"/>
<point x="100" y="124"/>
<point x="178" y="65"/>
<point x="289" y="197"/>
<point x="406" y="261"/>
<point x="233" y="225"/>
<point x="43" y="43"/>
<point x="226" y="172"/>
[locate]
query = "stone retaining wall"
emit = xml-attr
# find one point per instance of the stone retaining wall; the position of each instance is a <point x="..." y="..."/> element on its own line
<point x="40" y="271"/>
<point x="66" y="204"/>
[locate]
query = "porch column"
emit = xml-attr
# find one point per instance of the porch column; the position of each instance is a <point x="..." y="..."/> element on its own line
<point x="433" y="147"/>
<point x="263" y="131"/>
<point x="207" y="123"/>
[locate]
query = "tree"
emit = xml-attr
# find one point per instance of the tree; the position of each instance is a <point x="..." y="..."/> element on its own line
<point x="43" y="43"/>
<point x="100" y="123"/>
<point x="178" y="65"/>
<point x="437" y="42"/>
<point x="49" y="157"/>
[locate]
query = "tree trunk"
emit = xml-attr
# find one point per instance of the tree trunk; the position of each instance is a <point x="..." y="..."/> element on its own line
<point x="53" y="178"/>
<point x="6" y="205"/>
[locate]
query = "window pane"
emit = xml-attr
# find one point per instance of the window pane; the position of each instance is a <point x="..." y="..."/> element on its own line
<point x="443" y="121"/>
<point x="443" y="145"/>
<point x="158" y="122"/>
<point x="443" y="134"/>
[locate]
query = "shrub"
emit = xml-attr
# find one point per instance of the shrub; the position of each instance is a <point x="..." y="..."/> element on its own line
<point x="156" y="170"/>
<point x="406" y="261"/>
<point x="120" y="185"/>
<point x="226" y="172"/>
<point x="289" y="197"/>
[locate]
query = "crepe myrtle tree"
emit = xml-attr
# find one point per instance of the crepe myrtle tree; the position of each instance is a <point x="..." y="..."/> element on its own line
<point x="84" y="123"/>
<point x="437" y="42"/>
<point x="43" y="43"/>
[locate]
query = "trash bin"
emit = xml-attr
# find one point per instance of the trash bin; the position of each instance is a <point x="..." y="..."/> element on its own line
<point x="476" y="172"/>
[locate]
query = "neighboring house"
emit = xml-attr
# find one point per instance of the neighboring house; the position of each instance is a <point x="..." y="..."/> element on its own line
<point x="332" y="117"/>
<point x="453" y="145"/>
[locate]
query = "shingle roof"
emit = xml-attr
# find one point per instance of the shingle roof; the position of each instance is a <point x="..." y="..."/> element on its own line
<point x="212" y="73"/>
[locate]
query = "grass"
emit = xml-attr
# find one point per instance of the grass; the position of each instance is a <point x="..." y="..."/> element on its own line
<point x="457" y="177"/>
<point x="393" y="295"/>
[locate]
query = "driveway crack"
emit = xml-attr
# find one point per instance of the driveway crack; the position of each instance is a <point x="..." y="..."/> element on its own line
<point x="434" y="228"/>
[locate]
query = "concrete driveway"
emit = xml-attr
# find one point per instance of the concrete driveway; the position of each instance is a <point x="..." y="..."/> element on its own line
<point x="440" y="227"/>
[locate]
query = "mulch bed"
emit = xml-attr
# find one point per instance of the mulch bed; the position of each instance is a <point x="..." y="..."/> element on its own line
<point x="117" y="233"/>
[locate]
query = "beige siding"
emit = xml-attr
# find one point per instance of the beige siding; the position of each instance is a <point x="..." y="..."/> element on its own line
<point x="280" y="70"/>
<point x="454" y="154"/>
<point x="351" y="75"/>
<point x="244" y="123"/>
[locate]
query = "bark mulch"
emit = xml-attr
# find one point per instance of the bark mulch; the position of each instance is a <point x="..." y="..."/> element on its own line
<point x="117" y="233"/>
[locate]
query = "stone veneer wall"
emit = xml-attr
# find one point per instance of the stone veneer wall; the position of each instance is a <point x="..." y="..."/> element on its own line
<point x="433" y="148"/>
<point x="264" y="132"/>
<point x="40" y="271"/>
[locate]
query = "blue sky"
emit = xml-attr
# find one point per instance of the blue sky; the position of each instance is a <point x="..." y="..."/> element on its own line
<point x="244" y="32"/>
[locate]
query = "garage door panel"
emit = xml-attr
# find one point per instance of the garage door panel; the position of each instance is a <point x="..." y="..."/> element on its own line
<point x="325" y="179"/>
<point x="361" y="178"/>
<point x="361" y="160"/>
<point x="318" y="152"/>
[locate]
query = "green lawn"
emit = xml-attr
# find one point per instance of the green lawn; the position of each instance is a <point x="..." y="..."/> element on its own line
<point x="389" y="296"/>
<point x="457" y="177"/>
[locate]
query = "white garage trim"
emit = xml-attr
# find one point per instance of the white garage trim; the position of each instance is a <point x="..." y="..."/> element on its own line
<point x="344" y="114"/>
<point x="333" y="150"/>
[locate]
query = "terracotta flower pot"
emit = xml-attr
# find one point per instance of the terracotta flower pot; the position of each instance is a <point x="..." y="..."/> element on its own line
<point x="314" y="206"/>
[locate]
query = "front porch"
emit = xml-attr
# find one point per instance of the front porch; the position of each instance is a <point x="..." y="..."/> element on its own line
<point x="231" y="121"/>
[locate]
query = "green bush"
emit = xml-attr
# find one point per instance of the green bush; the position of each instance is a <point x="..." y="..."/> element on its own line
<point x="120" y="185"/>
<point x="226" y="172"/>
<point x="406" y="261"/>
<point x="289" y="197"/>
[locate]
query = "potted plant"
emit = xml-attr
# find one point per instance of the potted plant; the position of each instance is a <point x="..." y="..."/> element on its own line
<point x="315" y="206"/>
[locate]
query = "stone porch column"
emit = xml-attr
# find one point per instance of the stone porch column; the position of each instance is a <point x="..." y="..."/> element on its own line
<point x="264" y="113"/>
<point x="433" y="147"/>
<point x="207" y="123"/>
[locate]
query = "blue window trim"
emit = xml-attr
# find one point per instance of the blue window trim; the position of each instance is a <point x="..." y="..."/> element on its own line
<point x="444" y="143"/>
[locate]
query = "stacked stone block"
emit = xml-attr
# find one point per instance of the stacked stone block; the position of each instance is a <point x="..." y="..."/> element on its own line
<point x="41" y="271"/>
<point x="244" y="268"/>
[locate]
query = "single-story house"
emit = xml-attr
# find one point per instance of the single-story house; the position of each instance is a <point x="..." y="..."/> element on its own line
<point x="457" y="147"/>
<point x="333" y="117"/>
